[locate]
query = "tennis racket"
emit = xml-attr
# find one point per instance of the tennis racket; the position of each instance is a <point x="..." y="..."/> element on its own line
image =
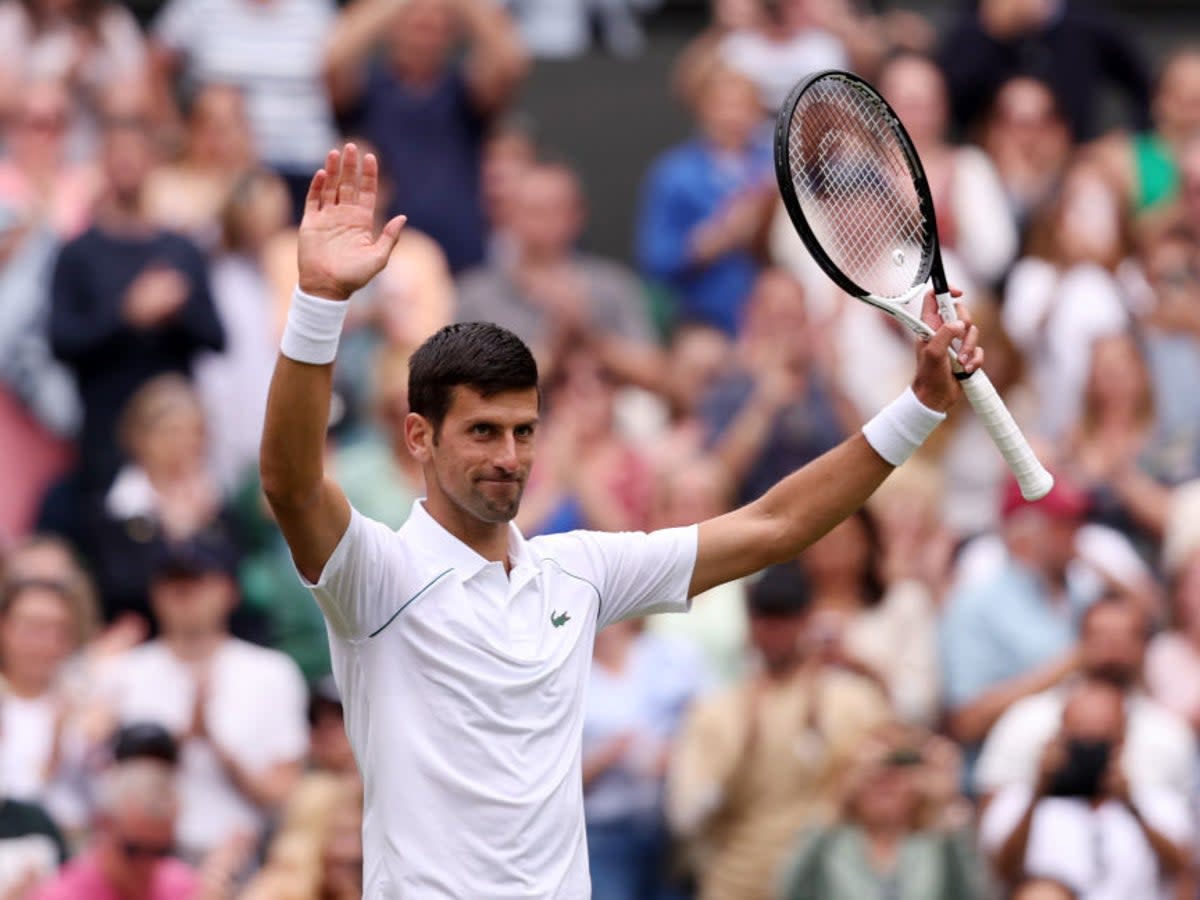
<point x="855" y="190"/>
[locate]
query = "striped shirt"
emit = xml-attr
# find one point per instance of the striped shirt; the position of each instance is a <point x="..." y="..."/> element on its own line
<point x="272" y="50"/>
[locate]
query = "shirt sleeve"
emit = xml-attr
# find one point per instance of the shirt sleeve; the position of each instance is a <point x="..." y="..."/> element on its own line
<point x="360" y="588"/>
<point x="1002" y="815"/>
<point x="638" y="574"/>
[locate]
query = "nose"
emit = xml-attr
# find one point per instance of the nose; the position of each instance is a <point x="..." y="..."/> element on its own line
<point x="506" y="453"/>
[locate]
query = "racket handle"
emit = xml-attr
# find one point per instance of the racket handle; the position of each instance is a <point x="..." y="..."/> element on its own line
<point x="1031" y="475"/>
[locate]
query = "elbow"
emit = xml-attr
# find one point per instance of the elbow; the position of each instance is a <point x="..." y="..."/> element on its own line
<point x="284" y="493"/>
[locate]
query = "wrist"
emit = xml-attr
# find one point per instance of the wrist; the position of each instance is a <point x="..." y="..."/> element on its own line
<point x="901" y="427"/>
<point x="319" y="289"/>
<point x="313" y="329"/>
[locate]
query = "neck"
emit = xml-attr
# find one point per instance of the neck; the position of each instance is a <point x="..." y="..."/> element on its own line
<point x="883" y="840"/>
<point x="194" y="647"/>
<point x="27" y="687"/>
<point x="530" y="258"/>
<point x="488" y="539"/>
<point x="123" y="215"/>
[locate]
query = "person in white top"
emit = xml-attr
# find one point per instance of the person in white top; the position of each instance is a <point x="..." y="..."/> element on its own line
<point x="461" y="649"/>
<point x="1083" y="822"/>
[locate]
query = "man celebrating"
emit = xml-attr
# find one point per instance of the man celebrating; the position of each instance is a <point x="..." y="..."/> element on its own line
<point x="461" y="649"/>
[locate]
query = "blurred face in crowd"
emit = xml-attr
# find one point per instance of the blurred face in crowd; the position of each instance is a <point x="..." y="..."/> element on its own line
<point x="329" y="746"/>
<point x="692" y="493"/>
<point x="507" y="158"/>
<point x="698" y="353"/>
<point x="1095" y="711"/>
<point x="777" y="316"/>
<point x="728" y="109"/>
<point x="127" y="150"/>
<point x="259" y="208"/>
<point x="843" y="553"/>
<point x="218" y="130"/>
<point x="917" y="92"/>
<point x="1177" y="103"/>
<point x="1112" y="644"/>
<point x="38" y="633"/>
<point x="1025" y="122"/>
<point x="39" y="125"/>
<point x="737" y="14"/>
<point x="887" y="797"/>
<point x="423" y="34"/>
<point x="587" y="394"/>
<point x="547" y="212"/>
<point x="192" y="605"/>
<point x="1046" y="542"/>
<point x="1172" y="266"/>
<point x="172" y="437"/>
<point x="1118" y="378"/>
<point x="1088" y="226"/>
<point x="132" y="842"/>
<point x="777" y="639"/>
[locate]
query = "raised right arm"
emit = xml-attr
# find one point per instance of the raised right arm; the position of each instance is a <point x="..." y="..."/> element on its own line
<point x="337" y="254"/>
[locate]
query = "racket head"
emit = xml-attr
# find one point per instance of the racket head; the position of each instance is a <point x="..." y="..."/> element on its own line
<point x="854" y="187"/>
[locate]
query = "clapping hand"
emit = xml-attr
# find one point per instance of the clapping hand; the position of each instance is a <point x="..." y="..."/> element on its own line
<point x="338" y="250"/>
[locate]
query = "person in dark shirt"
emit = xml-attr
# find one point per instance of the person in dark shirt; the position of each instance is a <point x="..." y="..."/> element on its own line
<point x="128" y="300"/>
<point x="425" y="112"/>
<point x="1075" y="50"/>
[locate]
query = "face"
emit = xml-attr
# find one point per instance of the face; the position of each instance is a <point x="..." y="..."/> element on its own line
<point x="843" y="552"/>
<point x="1118" y="373"/>
<point x="888" y="797"/>
<point x="1095" y="712"/>
<point x="915" y="89"/>
<point x="175" y="436"/>
<point x="262" y="212"/>
<point x="135" y="843"/>
<point x="697" y="355"/>
<point x="330" y="747"/>
<point x="507" y="158"/>
<point x="37" y="635"/>
<point x="1047" y="541"/>
<point x="219" y="132"/>
<point x="547" y="212"/>
<point x="1113" y="645"/>
<point x="40" y="123"/>
<point x="1089" y="217"/>
<point x="1173" y="268"/>
<point x="128" y="154"/>
<point x="479" y="459"/>
<point x="197" y="605"/>
<point x="777" y="639"/>
<point x="728" y="110"/>
<point x="1025" y="119"/>
<point x="423" y="34"/>
<point x="1177" y="105"/>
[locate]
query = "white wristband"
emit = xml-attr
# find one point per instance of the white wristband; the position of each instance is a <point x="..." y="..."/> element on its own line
<point x="901" y="427"/>
<point x="313" y="328"/>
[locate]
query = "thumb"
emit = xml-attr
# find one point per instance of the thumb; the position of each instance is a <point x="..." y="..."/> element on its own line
<point x="939" y="344"/>
<point x="386" y="242"/>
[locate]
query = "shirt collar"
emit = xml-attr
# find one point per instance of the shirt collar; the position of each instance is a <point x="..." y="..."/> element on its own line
<point x="466" y="562"/>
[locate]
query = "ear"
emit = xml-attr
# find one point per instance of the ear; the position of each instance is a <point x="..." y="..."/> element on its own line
<point x="418" y="436"/>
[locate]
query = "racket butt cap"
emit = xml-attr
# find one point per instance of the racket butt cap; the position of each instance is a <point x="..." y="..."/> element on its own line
<point x="1036" y="485"/>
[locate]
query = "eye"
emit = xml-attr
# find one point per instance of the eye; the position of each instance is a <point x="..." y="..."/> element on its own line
<point x="481" y="429"/>
<point x="523" y="431"/>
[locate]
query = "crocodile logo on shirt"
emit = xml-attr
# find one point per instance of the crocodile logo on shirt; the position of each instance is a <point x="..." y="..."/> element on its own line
<point x="559" y="620"/>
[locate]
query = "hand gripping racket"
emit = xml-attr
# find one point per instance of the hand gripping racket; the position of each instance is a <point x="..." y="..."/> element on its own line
<point x="855" y="190"/>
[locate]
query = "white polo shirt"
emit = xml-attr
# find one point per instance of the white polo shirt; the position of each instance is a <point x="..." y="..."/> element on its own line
<point x="463" y="688"/>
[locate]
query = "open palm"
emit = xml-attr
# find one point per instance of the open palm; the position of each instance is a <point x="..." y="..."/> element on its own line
<point x="338" y="250"/>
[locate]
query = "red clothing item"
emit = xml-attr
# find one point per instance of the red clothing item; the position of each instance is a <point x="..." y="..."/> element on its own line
<point x="82" y="879"/>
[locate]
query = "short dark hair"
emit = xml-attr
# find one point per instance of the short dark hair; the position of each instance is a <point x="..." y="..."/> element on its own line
<point x="783" y="591"/>
<point x="480" y="355"/>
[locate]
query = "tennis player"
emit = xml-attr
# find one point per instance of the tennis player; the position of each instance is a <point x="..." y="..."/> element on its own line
<point x="460" y="648"/>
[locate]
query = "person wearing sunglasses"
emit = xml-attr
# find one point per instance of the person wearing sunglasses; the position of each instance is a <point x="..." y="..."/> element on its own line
<point x="130" y="855"/>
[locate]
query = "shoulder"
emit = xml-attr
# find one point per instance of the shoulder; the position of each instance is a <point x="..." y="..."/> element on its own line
<point x="1165" y="728"/>
<point x="673" y="166"/>
<point x="262" y="660"/>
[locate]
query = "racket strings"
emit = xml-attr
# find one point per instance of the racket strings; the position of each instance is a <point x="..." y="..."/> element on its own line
<point x="854" y="184"/>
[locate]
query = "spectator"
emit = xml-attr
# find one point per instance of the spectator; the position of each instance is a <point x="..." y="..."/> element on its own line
<point x="561" y="29"/>
<point x="130" y="855"/>
<point x="39" y="405"/>
<point x="1063" y="294"/>
<point x="1146" y="164"/>
<point x="1061" y="42"/>
<point x="1013" y="634"/>
<point x="973" y="220"/>
<point x="509" y="152"/>
<point x="705" y="203"/>
<point x="759" y="761"/>
<point x="270" y="50"/>
<point x="640" y="688"/>
<point x="317" y="852"/>
<point x="1037" y="888"/>
<point x="129" y="301"/>
<point x="1174" y="655"/>
<point x="424" y="111"/>
<point x="784" y="42"/>
<point x="44" y="622"/>
<point x="775" y="407"/>
<point x="237" y="709"/>
<point x="190" y="194"/>
<point x="1121" y="452"/>
<point x="1027" y="139"/>
<point x="550" y="292"/>
<point x="31" y="847"/>
<point x="330" y="749"/>
<point x="1157" y="749"/>
<point x="37" y="172"/>
<point x="94" y="48"/>
<point x="884" y="631"/>
<point x="165" y="494"/>
<point x="901" y="832"/>
<point x="255" y="211"/>
<point x="1083" y="821"/>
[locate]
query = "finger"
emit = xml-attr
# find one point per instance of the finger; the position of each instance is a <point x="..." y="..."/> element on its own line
<point x="348" y="183"/>
<point x="369" y="184"/>
<point x="386" y="242"/>
<point x="929" y="311"/>
<point x="955" y="292"/>
<point x="970" y="343"/>
<point x="975" y="362"/>
<point x="960" y="309"/>
<point x="329" y="185"/>
<point x="312" y="202"/>
<point x="939" y="344"/>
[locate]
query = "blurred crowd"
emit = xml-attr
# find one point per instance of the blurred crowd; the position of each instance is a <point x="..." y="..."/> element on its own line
<point x="955" y="694"/>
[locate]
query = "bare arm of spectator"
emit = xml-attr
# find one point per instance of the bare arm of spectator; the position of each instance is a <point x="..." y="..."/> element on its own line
<point x="358" y="28"/>
<point x="497" y="62"/>
<point x="1009" y="857"/>
<point x="970" y="723"/>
